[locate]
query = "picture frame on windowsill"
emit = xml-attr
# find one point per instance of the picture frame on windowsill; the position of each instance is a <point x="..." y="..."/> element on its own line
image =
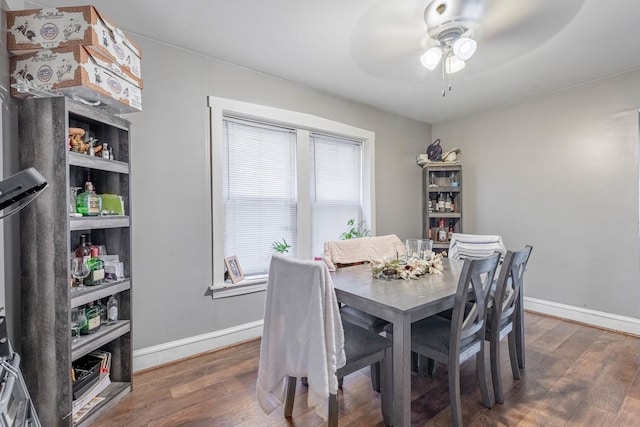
<point x="234" y="272"/>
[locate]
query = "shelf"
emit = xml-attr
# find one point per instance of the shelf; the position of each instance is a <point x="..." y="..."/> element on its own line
<point x="115" y="392"/>
<point x="84" y="295"/>
<point x="447" y="189"/>
<point x="86" y="113"/>
<point x="86" y="161"/>
<point x="46" y="297"/>
<point x="98" y="222"/>
<point x="107" y="333"/>
<point x="441" y="245"/>
<point x="445" y="214"/>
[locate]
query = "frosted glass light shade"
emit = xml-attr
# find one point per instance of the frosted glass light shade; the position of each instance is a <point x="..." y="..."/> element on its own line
<point x="464" y="48"/>
<point x="431" y="58"/>
<point x="454" y="64"/>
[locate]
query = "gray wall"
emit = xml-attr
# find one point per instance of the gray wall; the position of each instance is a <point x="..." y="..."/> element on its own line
<point x="171" y="217"/>
<point x="171" y="192"/>
<point x="560" y="172"/>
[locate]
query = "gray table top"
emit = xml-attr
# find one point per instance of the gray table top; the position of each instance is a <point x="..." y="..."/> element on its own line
<point x="419" y="298"/>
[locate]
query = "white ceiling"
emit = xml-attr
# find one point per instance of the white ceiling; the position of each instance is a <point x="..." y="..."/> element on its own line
<point x="368" y="50"/>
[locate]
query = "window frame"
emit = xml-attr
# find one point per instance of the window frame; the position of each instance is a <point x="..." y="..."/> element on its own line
<point x="305" y="124"/>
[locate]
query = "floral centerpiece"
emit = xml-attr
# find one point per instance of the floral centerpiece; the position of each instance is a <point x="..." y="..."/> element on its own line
<point x="410" y="269"/>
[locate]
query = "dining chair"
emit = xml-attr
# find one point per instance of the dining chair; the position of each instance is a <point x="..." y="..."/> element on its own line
<point x="343" y="253"/>
<point x="304" y="336"/>
<point x="463" y="246"/>
<point x="502" y="315"/>
<point x="454" y="341"/>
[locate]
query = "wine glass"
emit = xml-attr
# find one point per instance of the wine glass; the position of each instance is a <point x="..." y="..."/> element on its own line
<point x="79" y="270"/>
<point x="78" y="319"/>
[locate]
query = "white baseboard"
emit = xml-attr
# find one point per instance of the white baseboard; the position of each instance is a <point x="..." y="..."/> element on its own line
<point x="614" y="322"/>
<point x="171" y="351"/>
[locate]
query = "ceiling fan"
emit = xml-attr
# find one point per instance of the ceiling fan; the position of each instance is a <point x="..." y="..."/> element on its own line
<point x="392" y="39"/>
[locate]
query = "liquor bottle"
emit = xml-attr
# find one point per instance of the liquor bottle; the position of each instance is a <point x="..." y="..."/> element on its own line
<point x="440" y="203"/>
<point x="453" y="204"/>
<point x="96" y="268"/>
<point x="92" y="312"/>
<point x="88" y="203"/>
<point x="112" y="310"/>
<point x="83" y="251"/>
<point x="442" y="231"/>
<point x="447" y="203"/>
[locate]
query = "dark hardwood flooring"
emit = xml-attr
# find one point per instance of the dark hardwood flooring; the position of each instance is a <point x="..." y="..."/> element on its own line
<point x="575" y="376"/>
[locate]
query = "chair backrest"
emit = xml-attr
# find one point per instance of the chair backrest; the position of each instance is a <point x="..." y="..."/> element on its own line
<point x="468" y="326"/>
<point x="464" y="246"/>
<point x="362" y="249"/>
<point x="510" y="282"/>
<point x="302" y="333"/>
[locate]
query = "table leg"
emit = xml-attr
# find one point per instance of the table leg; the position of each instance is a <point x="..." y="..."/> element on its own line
<point x="402" y="371"/>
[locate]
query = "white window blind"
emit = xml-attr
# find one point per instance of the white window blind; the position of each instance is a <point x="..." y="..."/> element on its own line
<point x="259" y="191"/>
<point x="336" y="187"/>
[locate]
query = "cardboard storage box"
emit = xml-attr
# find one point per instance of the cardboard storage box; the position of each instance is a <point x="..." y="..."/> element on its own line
<point x="33" y="29"/>
<point x="76" y="72"/>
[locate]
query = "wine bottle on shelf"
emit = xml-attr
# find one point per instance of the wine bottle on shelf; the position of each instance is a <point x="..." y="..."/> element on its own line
<point x="96" y="268"/>
<point x="451" y="230"/>
<point x="442" y="231"/>
<point x="440" y="203"/>
<point x="83" y="251"/>
<point x="447" y="203"/>
<point x="453" y="204"/>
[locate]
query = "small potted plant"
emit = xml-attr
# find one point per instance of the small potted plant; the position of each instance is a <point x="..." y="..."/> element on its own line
<point x="355" y="231"/>
<point x="281" y="247"/>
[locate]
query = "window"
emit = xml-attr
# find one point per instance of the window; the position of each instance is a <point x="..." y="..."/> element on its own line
<point x="280" y="174"/>
<point x="336" y="187"/>
<point x="259" y="190"/>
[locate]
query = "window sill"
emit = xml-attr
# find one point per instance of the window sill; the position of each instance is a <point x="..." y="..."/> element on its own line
<point x="248" y="285"/>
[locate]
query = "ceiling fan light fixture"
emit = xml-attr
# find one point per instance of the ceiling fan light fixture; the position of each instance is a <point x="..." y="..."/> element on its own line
<point x="464" y="48"/>
<point x="454" y="25"/>
<point x="431" y="58"/>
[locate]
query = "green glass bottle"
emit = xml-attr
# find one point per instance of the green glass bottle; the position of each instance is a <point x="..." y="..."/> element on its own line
<point x="88" y="203"/>
<point x="92" y="312"/>
<point x="96" y="268"/>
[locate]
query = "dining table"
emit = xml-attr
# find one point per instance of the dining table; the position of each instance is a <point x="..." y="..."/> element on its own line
<point x="402" y="302"/>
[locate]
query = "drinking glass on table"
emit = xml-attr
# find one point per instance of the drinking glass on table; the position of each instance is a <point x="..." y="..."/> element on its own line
<point x="425" y="246"/>
<point x="400" y="252"/>
<point x="412" y="248"/>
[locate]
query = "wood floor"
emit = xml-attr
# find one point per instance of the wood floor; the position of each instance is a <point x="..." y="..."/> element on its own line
<point x="575" y="376"/>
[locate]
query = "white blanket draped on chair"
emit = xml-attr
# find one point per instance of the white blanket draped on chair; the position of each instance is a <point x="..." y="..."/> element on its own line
<point x="464" y="246"/>
<point x="359" y="250"/>
<point x="309" y="344"/>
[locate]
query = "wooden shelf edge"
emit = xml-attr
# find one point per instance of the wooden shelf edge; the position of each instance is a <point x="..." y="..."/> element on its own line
<point x="82" y="296"/>
<point x="98" y="222"/>
<point x="86" y="161"/>
<point x="105" y="334"/>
